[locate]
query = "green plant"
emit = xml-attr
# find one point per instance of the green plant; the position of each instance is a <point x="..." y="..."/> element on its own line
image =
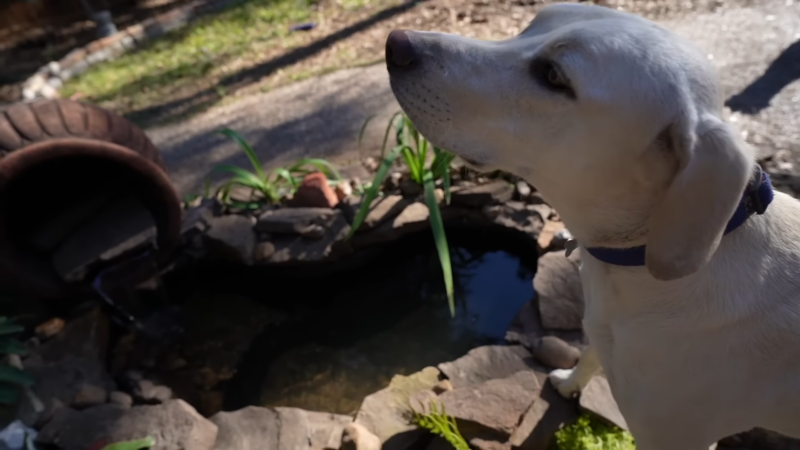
<point x="590" y="433"/>
<point x="415" y="151"/>
<point x="11" y="378"/>
<point x="440" y="424"/>
<point x="138" y="444"/>
<point x="272" y="185"/>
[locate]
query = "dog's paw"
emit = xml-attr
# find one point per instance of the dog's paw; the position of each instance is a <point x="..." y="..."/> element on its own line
<point x="564" y="382"/>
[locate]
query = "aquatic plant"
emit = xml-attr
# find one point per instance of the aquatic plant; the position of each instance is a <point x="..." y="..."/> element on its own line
<point x="590" y="433"/>
<point x="270" y="185"/>
<point x="415" y="151"/>
<point x="439" y="423"/>
<point x="11" y="378"/>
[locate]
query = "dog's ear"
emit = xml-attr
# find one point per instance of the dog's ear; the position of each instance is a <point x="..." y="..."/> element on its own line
<point x="714" y="166"/>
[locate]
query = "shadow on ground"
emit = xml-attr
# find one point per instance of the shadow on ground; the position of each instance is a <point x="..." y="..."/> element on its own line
<point x="202" y="100"/>
<point x="780" y="73"/>
<point x="324" y="124"/>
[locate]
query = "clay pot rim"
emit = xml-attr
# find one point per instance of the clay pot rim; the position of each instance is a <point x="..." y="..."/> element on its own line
<point x="163" y="202"/>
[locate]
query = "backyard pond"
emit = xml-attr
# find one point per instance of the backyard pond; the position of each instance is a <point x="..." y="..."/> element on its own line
<point x="344" y="334"/>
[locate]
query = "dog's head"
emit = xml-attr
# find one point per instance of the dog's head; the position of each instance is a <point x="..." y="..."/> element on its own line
<point x="613" y="118"/>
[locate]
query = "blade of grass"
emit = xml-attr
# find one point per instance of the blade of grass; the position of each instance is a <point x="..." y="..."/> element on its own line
<point x="441" y="167"/>
<point x="13" y="375"/>
<point x="386" y="133"/>
<point x="243" y="177"/>
<point x="324" y="166"/>
<point x="440" y="238"/>
<point x="412" y="163"/>
<point x="251" y="154"/>
<point x="10" y="328"/>
<point x="138" y="444"/>
<point x="11" y="346"/>
<point x="374" y="189"/>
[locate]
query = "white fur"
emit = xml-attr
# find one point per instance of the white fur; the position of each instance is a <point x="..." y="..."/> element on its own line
<point x="704" y="341"/>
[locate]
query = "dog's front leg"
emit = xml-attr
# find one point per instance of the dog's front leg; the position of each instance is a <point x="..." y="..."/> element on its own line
<point x="569" y="382"/>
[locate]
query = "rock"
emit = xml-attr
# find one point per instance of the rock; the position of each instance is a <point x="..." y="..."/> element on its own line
<point x="485" y="444"/>
<point x="63" y="366"/>
<point x="548" y="414"/>
<point x="51" y="407"/>
<point x="523" y="190"/>
<point x="263" y="251"/>
<point x="516" y="215"/>
<point x="357" y="437"/>
<point x="487" y="363"/>
<point x="383" y="209"/>
<point x="314" y="192"/>
<point x="85" y="336"/>
<point x="370" y="164"/>
<point x="414" y="217"/>
<point x="411" y="188"/>
<point x="596" y="398"/>
<point x="497" y="191"/>
<point x="760" y="439"/>
<point x="89" y="395"/>
<point x="232" y="237"/>
<point x="442" y="386"/>
<point x="385" y="412"/>
<point x="343" y="190"/>
<point x="392" y="182"/>
<point x="553" y="235"/>
<point x="307" y="222"/>
<point x="493" y="408"/>
<point x="421" y="401"/>
<point x="526" y="329"/>
<point x="332" y="245"/>
<point x="256" y="428"/>
<point x="554" y="352"/>
<point x="415" y="214"/>
<point x="558" y="286"/>
<point x="121" y="399"/>
<point x="174" y="425"/>
<point x="50" y="328"/>
<point x="439" y="194"/>
<point x="161" y="394"/>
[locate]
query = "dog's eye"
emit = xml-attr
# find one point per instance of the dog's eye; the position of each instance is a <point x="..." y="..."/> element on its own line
<point x="551" y="77"/>
<point x="554" y="77"/>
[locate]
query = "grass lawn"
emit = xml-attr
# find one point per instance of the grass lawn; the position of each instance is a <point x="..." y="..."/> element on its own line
<point x="184" y="62"/>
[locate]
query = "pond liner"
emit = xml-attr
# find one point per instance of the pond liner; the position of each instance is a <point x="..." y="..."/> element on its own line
<point x="82" y="191"/>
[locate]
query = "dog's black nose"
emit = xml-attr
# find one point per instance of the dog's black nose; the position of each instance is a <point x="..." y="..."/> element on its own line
<point x="399" y="50"/>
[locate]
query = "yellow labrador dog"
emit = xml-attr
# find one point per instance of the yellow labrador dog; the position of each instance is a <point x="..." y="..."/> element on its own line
<point x="691" y="264"/>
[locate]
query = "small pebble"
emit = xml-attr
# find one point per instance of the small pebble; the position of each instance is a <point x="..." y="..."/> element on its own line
<point x="121" y="399"/>
<point x="50" y="328"/>
<point x="442" y="386"/>
<point x="554" y="352"/>
<point x="89" y="395"/>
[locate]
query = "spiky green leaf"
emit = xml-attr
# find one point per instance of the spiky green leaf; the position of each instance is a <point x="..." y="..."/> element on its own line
<point x="251" y="154"/>
<point x="13" y="375"/>
<point x="372" y="192"/>
<point x="138" y="444"/>
<point x="440" y="238"/>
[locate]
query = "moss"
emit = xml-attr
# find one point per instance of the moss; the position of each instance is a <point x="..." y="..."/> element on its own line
<point x="590" y="433"/>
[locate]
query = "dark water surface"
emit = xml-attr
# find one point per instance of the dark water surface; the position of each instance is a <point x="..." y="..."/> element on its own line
<point x="350" y="330"/>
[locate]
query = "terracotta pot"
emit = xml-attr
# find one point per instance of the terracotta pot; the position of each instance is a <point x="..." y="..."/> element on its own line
<point x="73" y="178"/>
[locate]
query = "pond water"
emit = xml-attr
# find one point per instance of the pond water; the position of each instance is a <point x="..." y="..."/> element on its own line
<point x="351" y="331"/>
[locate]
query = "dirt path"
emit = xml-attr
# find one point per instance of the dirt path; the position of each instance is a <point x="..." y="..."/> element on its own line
<point x="322" y="116"/>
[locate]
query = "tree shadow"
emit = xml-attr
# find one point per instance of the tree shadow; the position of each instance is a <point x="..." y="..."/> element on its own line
<point x="201" y="100"/>
<point x="781" y="72"/>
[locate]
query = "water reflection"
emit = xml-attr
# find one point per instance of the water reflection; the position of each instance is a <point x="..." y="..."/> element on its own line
<point x="390" y="318"/>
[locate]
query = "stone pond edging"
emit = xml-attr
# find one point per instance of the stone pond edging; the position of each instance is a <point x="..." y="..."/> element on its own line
<point x="46" y="82"/>
<point x="314" y="226"/>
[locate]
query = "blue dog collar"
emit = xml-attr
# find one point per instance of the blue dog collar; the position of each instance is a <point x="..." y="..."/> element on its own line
<point x="757" y="197"/>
